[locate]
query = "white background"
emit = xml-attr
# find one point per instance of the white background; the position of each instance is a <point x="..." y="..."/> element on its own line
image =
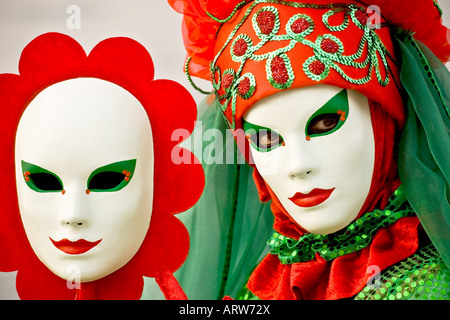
<point x="153" y="23"/>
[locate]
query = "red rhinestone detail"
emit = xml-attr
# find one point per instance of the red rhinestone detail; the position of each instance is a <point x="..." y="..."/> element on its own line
<point x="362" y="17"/>
<point x="244" y="86"/>
<point x="317" y="67"/>
<point x="279" y="71"/>
<point x="329" y="46"/>
<point x="240" y="47"/>
<point x="227" y="80"/>
<point x="300" y="25"/>
<point x="266" y="21"/>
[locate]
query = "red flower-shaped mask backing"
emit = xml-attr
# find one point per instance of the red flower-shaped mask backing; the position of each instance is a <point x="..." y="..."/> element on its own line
<point x="52" y="58"/>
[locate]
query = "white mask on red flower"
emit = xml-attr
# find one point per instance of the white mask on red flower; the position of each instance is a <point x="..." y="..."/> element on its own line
<point x="84" y="173"/>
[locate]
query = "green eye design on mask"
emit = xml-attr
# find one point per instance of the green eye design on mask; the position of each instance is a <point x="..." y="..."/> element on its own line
<point x="261" y="138"/>
<point x="329" y="118"/>
<point x="112" y="177"/>
<point x="40" y="179"/>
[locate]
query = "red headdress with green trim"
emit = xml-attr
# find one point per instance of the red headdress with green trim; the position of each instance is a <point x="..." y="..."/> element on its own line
<point x="253" y="49"/>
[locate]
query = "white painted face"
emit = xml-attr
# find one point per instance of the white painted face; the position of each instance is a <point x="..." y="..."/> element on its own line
<point x="314" y="147"/>
<point x="84" y="173"/>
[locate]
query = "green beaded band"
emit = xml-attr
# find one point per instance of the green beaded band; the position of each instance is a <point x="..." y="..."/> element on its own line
<point x="354" y="237"/>
<point x="186" y="71"/>
<point x="438" y="7"/>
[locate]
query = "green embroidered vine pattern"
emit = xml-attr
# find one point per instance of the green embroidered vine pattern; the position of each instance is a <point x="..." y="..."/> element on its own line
<point x="354" y="237"/>
<point x="299" y="26"/>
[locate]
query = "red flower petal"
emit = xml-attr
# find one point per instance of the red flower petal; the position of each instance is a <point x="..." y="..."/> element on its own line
<point x="300" y="25"/>
<point x="227" y="80"/>
<point x="362" y="17"/>
<point x="240" y="47"/>
<point x="279" y="71"/>
<point x="266" y="21"/>
<point x="329" y="46"/>
<point x="317" y="67"/>
<point x="244" y="86"/>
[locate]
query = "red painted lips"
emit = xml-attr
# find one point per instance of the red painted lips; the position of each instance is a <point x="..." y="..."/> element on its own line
<point x="314" y="198"/>
<point x="74" y="247"/>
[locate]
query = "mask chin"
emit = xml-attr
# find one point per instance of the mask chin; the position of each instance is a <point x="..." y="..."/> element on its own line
<point x="95" y="139"/>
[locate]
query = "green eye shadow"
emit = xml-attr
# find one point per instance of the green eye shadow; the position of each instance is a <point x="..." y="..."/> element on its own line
<point x="337" y="105"/>
<point x="40" y="179"/>
<point x="254" y="133"/>
<point x="112" y="177"/>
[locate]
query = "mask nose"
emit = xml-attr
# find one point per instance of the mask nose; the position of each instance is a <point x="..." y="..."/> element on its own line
<point x="75" y="211"/>
<point x="300" y="160"/>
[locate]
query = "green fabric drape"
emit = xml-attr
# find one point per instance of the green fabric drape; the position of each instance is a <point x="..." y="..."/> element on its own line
<point x="229" y="226"/>
<point x="424" y="151"/>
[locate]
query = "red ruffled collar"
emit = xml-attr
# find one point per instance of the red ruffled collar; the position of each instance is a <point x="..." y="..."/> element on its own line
<point x="346" y="275"/>
<point x="343" y="277"/>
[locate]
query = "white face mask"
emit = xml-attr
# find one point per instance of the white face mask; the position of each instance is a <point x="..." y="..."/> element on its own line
<point x="315" y="149"/>
<point x="84" y="174"/>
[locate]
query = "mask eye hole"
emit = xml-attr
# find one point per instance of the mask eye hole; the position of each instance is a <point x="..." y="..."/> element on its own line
<point x="45" y="181"/>
<point x="266" y="140"/>
<point x="112" y="177"/>
<point x="330" y="117"/>
<point x="40" y="179"/>
<point x="323" y="123"/>
<point x="106" y="180"/>
<point x="261" y="138"/>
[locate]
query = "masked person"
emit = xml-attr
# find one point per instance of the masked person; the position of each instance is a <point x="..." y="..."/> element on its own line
<point x="342" y="109"/>
<point x="90" y="190"/>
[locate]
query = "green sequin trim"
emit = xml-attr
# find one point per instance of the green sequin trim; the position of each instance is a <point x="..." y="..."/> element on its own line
<point x="354" y="237"/>
<point x="438" y="7"/>
<point x="423" y="276"/>
<point x="29" y="170"/>
<point x="186" y="71"/>
<point x="238" y="6"/>
<point x="299" y="36"/>
<point x="318" y="66"/>
<point x="331" y="13"/>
